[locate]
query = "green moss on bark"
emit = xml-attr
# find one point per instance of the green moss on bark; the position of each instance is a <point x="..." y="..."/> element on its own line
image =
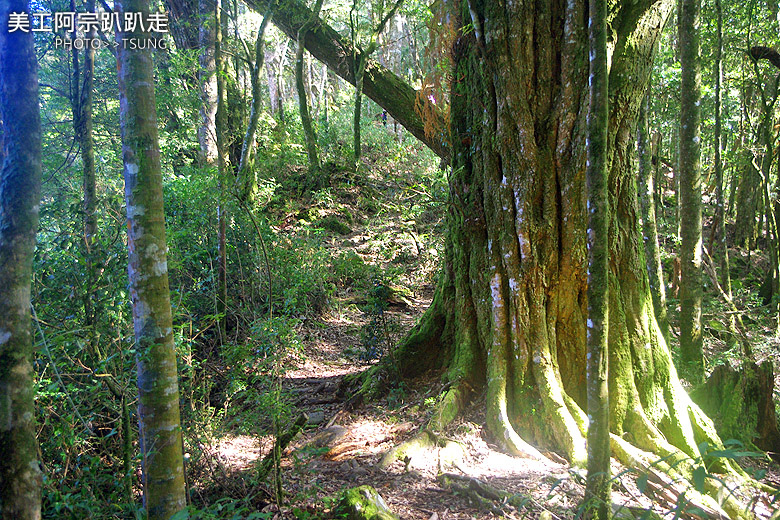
<point x="364" y="503"/>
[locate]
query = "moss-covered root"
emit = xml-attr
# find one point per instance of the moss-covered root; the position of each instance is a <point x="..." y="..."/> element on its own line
<point x="364" y="503"/>
<point x="449" y="453"/>
<point x="502" y="429"/>
<point x="673" y="475"/>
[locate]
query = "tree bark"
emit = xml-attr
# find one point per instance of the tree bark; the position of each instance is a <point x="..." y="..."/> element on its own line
<point x="20" y="187"/>
<point x="722" y="251"/>
<point x="510" y="311"/>
<point x="184" y="23"/>
<point x="81" y="104"/>
<point x="274" y="66"/>
<point x="691" y="355"/>
<point x="747" y="204"/>
<point x="158" y="392"/>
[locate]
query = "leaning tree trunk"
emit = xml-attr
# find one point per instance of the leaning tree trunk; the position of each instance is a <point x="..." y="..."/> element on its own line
<point x="158" y="391"/>
<point x="510" y="310"/>
<point x="387" y="89"/>
<point x="20" y="190"/>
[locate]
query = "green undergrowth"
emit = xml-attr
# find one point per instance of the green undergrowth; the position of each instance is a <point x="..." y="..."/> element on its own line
<point x="303" y="251"/>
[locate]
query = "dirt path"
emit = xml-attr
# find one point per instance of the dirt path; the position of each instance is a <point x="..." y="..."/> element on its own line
<point x="341" y="449"/>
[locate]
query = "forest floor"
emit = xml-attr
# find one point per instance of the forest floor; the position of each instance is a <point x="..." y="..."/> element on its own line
<point x="343" y="449"/>
<point x="341" y="446"/>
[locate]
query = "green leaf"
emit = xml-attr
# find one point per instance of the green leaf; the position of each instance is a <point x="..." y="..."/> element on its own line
<point x="184" y="514"/>
<point x="641" y="482"/>
<point x="699" y="475"/>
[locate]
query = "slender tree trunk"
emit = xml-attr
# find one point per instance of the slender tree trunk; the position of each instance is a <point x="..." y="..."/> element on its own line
<point x="768" y="98"/>
<point x="207" y="131"/>
<point x="748" y="193"/>
<point x="722" y="251"/>
<point x="158" y="391"/>
<point x="690" y="193"/>
<point x="649" y="226"/>
<point x="597" y="488"/>
<point x="322" y="107"/>
<point x="20" y="193"/>
<point x="273" y="59"/>
<point x="360" y="64"/>
<point x="280" y="84"/>
<point x="220" y="122"/>
<point x="81" y="103"/>
<point x="246" y="170"/>
<point x="312" y="148"/>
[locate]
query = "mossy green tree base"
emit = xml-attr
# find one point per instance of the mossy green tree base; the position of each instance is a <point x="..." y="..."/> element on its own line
<point x="510" y="313"/>
<point x="741" y="405"/>
<point x="364" y="503"/>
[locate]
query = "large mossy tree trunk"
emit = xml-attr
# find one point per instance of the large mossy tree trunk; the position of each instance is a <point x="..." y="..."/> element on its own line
<point x="20" y="193"/>
<point x="510" y="311"/>
<point x="158" y="392"/>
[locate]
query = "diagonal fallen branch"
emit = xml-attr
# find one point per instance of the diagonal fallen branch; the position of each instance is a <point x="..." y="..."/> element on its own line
<point x="281" y="443"/>
<point x="709" y="268"/>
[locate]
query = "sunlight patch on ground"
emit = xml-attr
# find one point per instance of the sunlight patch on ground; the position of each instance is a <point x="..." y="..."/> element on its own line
<point x="495" y="464"/>
<point x="239" y="452"/>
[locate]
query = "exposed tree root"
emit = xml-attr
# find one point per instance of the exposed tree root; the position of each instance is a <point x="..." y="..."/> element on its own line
<point x="449" y="452"/>
<point x="484" y="495"/>
<point x="669" y="481"/>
